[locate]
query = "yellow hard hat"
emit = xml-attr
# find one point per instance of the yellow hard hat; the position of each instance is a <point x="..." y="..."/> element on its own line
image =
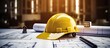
<point x="59" y="25"/>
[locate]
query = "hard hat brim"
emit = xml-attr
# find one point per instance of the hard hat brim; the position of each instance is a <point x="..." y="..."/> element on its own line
<point x="46" y="35"/>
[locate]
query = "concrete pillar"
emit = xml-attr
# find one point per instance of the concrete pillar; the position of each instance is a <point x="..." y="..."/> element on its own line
<point x="93" y="10"/>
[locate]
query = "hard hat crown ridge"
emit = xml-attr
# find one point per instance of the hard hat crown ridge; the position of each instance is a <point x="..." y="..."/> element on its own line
<point x="60" y="23"/>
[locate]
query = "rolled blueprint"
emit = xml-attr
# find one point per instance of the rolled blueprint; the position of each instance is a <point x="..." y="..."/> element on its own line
<point x="39" y="27"/>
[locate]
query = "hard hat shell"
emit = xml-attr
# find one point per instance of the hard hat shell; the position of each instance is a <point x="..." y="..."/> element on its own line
<point x="59" y="25"/>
